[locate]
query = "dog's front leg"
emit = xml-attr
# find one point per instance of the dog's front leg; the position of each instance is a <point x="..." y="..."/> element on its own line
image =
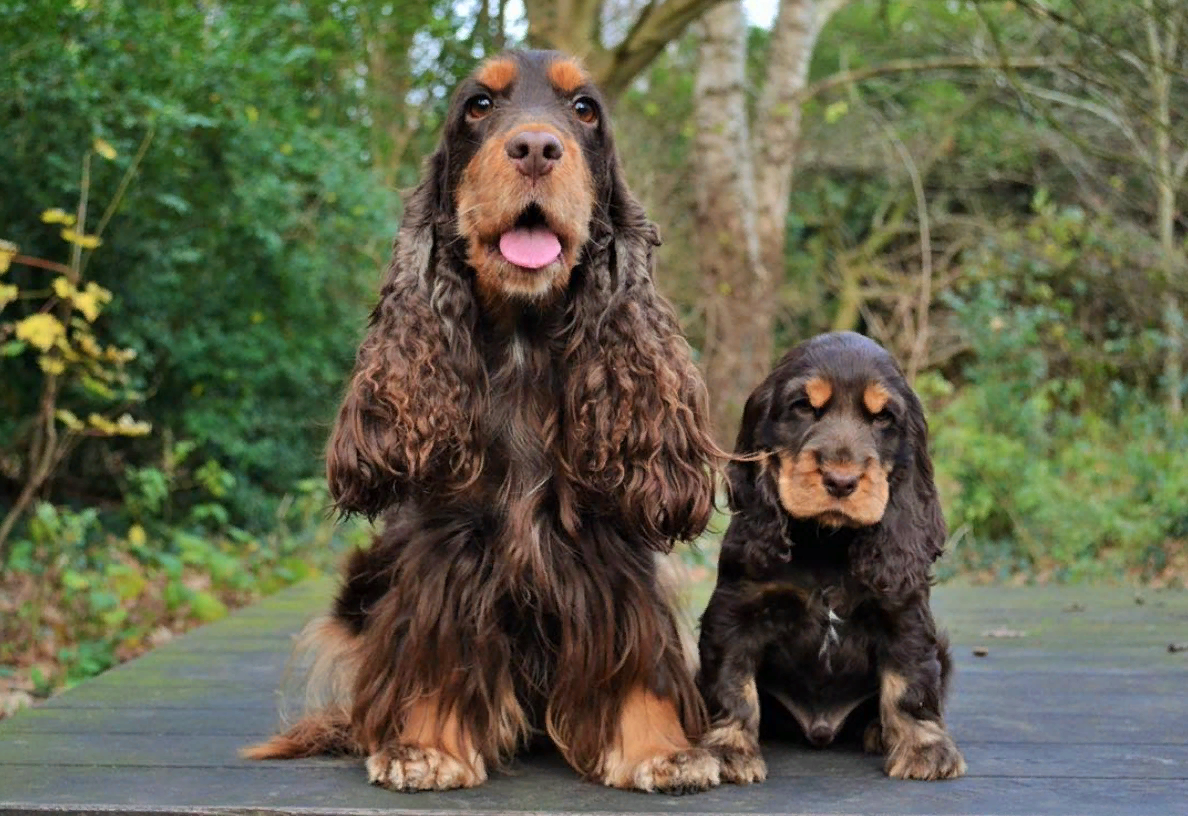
<point x="434" y="751"/>
<point x="727" y="683"/>
<point x="912" y="681"/>
<point x="651" y="752"/>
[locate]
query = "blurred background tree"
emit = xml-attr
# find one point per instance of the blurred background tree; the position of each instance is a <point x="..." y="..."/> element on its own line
<point x="995" y="190"/>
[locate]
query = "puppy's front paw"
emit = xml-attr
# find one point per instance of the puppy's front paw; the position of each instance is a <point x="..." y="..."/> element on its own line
<point x="928" y="752"/>
<point x="419" y="768"/>
<point x="742" y="767"/>
<point x="690" y="770"/>
<point x="738" y="753"/>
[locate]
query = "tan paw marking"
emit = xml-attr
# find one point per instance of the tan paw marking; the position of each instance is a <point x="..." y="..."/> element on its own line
<point x="686" y="771"/>
<point x="872" y="738"/>
<point x="931" y="754"/>
<point x="416" y="768"/>
<point x="738" y="753"/>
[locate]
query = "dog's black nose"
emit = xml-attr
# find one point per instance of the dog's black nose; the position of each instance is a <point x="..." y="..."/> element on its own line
<point x="840" y="483"/>
<point x="820" y="735"/>
<point x="534" y="152"/>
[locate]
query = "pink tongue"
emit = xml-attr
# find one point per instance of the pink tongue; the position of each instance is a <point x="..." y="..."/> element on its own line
<point x="530" y="248"/>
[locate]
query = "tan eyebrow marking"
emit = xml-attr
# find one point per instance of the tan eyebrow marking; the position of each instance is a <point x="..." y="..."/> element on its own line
<point x="819" y="391"/>
<point x="566" y="75"/>
<point x="875" y="397"/>
<point x="497" y="73"/>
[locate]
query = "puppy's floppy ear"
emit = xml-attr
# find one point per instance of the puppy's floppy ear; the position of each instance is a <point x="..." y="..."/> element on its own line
<point x="410" y="411"/>
<point x="897" y="559"/>
<point x="639" y="433"/>
<point x="743" y="477"/>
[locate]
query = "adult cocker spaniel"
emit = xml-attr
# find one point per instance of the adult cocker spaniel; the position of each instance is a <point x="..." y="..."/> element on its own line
<point x="821" y="609"/>
<point x="525" y="415"/>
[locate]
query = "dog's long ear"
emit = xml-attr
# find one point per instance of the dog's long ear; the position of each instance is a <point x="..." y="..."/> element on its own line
<point x="897" y="559"/>
<point x="640" y="432"/>
<point x="410" y="411"/>
<point x="744" y="475"/>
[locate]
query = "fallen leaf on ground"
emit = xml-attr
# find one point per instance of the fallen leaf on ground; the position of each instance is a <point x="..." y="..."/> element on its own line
<point x="1004" y="632"/>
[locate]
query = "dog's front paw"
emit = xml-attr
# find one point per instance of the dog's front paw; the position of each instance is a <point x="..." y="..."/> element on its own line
<point x="928" y="752"/>
<point x="419" y="768"/>
<point x="686" y="771"/>
<point x="742" y="767"/>
<point x="738" y="753"/>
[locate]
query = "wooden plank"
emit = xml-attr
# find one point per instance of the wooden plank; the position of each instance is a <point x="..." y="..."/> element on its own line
<point x="1085" y="714"/>
<point x="549" y="789"/>
<point x="986" y="759"/>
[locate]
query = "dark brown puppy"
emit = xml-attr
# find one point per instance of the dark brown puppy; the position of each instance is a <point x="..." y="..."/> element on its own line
<point x="821" y="605"/>
<point x="526" y="416"/>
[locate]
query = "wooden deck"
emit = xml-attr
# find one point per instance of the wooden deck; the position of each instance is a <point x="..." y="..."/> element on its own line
<point x="1087" y="713"/>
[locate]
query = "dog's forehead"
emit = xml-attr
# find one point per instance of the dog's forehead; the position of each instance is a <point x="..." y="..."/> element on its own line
<point x="532" y="78"/>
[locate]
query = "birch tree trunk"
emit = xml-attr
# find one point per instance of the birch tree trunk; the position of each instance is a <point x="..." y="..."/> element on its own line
<point x="744" y="178"/>
<point x="737" y="346"/>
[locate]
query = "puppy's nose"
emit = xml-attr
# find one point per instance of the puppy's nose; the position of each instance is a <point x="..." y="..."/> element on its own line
<point x="534" y="152"/>
<point x="839" y="483"/>
<point x="820" y="735"/>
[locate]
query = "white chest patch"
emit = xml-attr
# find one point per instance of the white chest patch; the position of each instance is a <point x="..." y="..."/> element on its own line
<point x="830" y="639"/>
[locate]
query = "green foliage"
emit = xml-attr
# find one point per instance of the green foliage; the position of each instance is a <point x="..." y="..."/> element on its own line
<point x="1053" y="457"/>
<point x="82" y="590"/>
<point x="246" y="251"/>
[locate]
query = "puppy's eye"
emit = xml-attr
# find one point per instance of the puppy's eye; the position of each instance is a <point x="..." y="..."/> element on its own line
<point x="801" y="407"/>
<point x="479" y="106"/>
<point x="884" y="419"/>
<point x="586" y="109"/>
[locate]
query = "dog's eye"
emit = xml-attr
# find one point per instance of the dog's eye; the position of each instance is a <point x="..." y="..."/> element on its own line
<point x="479" y="106"/>
<point x="803" y="408"/>
<point x="884" y="419"/>
<point x="586" y="109"/>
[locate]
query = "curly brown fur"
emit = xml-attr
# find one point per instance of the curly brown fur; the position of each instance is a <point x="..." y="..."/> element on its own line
<point x="821" y="611"/>
<point x="535" y="439"/>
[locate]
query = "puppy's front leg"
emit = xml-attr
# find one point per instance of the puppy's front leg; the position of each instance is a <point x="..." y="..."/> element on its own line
<point x="727" y="682"/>
<point x="913" y="676"/>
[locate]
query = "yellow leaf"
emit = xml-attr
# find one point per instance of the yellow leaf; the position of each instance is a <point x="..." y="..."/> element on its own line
<point x="58" y="216"/>
<point x="104" y="149"/>
<point x="102" y="424"/>
<point x="68" y="419"/>
<point x="257" y="318"/>
<point x="252" y="114"/>
<point x="84" y="241"/>
<point x="128" y="426"/>
<point x="90" y="302"/>
<point x="136" y="535"/>
<point x="8" y="251"/>
<point x="286" y="149"/>
<point x="8" y="293"/>
<point x="86" y="343"/>
<point x="836" y="111"/>
<point x="51" y="365"/>
<point x="63" y="288"/>
<point x="40" y="331"/>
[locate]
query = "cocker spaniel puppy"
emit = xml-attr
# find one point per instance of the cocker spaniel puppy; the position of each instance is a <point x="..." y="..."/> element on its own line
<point x="525" y="415"/>
<point x="821" y="607"/>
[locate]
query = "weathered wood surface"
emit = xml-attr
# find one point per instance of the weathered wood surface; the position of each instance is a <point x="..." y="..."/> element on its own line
<point x="1085" y="714"/>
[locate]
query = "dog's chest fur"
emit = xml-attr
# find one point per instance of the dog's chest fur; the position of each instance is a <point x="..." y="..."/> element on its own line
<point x="822" y="628"/>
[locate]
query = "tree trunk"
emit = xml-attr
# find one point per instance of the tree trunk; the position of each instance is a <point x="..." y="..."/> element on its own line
<point x="744" y="185"/>
<point x="737" y="347"/>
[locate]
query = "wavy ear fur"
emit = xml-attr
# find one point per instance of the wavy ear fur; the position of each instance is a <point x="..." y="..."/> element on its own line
<point x="639" y="425"/>
<point x="897" y="558"/>
<point x="410" y="414"/>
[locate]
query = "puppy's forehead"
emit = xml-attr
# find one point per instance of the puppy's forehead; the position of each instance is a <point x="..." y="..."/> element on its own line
<point x="532" y="77"/>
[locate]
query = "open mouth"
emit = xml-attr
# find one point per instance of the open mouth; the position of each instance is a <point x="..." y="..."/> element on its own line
<point x="530" y="243"/>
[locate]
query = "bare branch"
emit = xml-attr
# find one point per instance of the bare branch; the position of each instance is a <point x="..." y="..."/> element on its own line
<point x="656" y="26"/>
<point x="908" y="66"/>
